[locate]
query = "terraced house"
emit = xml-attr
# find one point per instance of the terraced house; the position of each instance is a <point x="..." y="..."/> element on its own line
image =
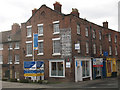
<point x="72" y="48"/>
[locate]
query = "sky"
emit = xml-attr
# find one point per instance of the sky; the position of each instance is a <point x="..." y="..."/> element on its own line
<point x="96" y="11"/>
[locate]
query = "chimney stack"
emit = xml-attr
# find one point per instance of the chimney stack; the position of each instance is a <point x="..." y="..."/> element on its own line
<point x="57" y="6"/>
<point x="105" y="24"/>
<point x="33" y="11"/>
<point x="75" y="12"/>
<point x="15" y="28"/>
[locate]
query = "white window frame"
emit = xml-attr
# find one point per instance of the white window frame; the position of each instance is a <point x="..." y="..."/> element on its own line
<point x="40" y="25"/>
<point x="100" y="49"/>
<point x="27" y="31"/>
<point x="9" y="59"/>
<point x="116" y="52"/>
<point x="100" y="35"/>
<point x="109" y="37"/>
<point x="115" y="38"/>
<point x="1" y="46"/>
<point x="28" y="42"/>
<point x="110" y="50"/>
<point x="17" y="61"/>
<point x="50" y="61"/>
<point x="56" y="22"/>
<point x="94" y="49"/>
<point x="10" y="46"/>
<point x="86" y="32"/>
<point x="94" y="36"/>
<point x="39" y="41"/>
<point x="87" y="47"/>
<point x="55" y="39"/>
<point x="78" y="29"/>
<point x="1" y="57"/>
<point x="17" y="45"/>
<point x="79" y="50"/>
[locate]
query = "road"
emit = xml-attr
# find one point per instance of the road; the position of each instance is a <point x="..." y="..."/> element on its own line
<point x="107" y="83"/>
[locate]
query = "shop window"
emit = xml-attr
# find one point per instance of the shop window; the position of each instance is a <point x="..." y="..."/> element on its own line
<point x="85" y="68"/>
<point x="57" y="68"/>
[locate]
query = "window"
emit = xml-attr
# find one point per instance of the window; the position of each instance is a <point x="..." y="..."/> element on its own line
<point x="110" y="50"/>
<point x="57" y="68"/>
<point x="116" y="53"/>
<point x="101" y="49"/>
<point x="29" y="49"/>
<point x="78" y="29"/>
<point x="87" y="47"/>
<point x="109" y="37"/>
<point x="56" y="46"/>
<point x="40" y="29"/>
<point x="86" y="31"/>
<point x="40" y="47"/>
<point x="10" y="59"/>
<point x="17" y="45"/>
<point x="17" y="59"/>
<point x="93" y="33"/>
<point x="29" y="31"/>
<point x="79" y="46"/>
<point x="56" y="27"/>
<point x="10" y="46"/>
<point x="94" y="49"/>
<point x="1" y="46"/>
<point x="100" y="35"/>
<point x="85" y="68"/>
<point x="115" y="38"/>
<point x="1" y="59"/>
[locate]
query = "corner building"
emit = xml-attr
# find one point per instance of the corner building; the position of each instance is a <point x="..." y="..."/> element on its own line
<point x="68" y="45"/>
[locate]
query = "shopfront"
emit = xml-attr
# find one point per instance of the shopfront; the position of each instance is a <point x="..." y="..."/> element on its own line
<point x="97" y="68"/>
<point x="110" y="66"/>
<point x="83" y="70"/>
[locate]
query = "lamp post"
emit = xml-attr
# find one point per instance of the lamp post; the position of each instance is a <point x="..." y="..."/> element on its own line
<point x="9" y="40"/>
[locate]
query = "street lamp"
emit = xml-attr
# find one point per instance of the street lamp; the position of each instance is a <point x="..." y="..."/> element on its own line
<point x="9" y="40"/>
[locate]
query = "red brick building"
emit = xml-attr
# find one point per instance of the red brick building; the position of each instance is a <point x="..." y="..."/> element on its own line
<point x="10" y="53"/>
<point x="68" y="44"/>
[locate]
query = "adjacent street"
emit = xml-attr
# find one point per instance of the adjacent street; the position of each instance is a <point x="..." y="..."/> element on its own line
<point x="99" y="83"/>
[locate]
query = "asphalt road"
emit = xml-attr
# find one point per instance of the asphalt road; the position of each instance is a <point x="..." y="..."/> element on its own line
<point x="99" y="84"/>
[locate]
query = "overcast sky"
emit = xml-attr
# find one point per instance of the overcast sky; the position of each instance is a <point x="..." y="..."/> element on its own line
<point x="96" y="11"/>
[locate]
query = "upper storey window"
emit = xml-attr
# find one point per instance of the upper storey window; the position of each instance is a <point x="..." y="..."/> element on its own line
<point x="56" y="27"/>
<point x="93" y="33"/>
<point x="40" y="29"/>
<point x="29" y="31"/>
<point x="78" y="29"/>
<point x="86" y="31"/>
<point x="109" y="37"/>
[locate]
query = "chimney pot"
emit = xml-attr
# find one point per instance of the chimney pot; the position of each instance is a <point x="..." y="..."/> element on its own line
<point x="105" y="24"/>
<point x="33" y="11"/>
<point x="75" y="12"/>
<point x="57" y="6"/>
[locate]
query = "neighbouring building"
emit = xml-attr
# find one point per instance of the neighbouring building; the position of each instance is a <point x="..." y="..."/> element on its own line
<point x="10" y="53"/>
<point x="72" y="48"/>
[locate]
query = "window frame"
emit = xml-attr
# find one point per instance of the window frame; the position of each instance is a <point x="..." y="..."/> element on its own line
<point x="50" y="67"/>
<point x="86" y="32"/>
<point x="78" y="29"/>
<point x="29" y="42"/>
<point x="87" y="47"/>
<point x="29" y="27"/>
<point x="1" y="57"/>
<point x="54" y="27"/>
<point x="40" y="25"/>
<point x="40" y="41"/>
<point x="94" y="49"/>
<point x="17" y="61"/>
<point x="17" y="45"/>
<point x="1" y="46"/>
<point x="110" y="50"/>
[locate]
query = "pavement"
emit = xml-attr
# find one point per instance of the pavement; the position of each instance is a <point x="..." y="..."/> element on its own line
<point x="106" y="83"/>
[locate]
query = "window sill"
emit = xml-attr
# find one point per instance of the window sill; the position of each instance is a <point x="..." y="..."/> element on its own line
<point x="40" y="54"/>
<point x="40" y="34"/>
<point x="29" y="36"/>
<point x="17" y="63"/>
<point x="29" y="55"/>
<point x="9" y="63"/>
<point x="1" y="49"/>
<point x="86" y="77"/>
<point x="16" y="48"/>
<point x="56" y="54"/>
<point x="56" y="33"/>
<point x="1" y="62"/>
<point x="58" y="76"/>
<point x="10" y="48"/>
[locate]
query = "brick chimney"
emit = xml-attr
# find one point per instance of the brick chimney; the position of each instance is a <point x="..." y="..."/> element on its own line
<point x="33" y="11"/>
<point x="15" y="28"/>
<point x="105" y="24"/>
<point x="57" y="6"/>
<point x="75" y="12"/>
